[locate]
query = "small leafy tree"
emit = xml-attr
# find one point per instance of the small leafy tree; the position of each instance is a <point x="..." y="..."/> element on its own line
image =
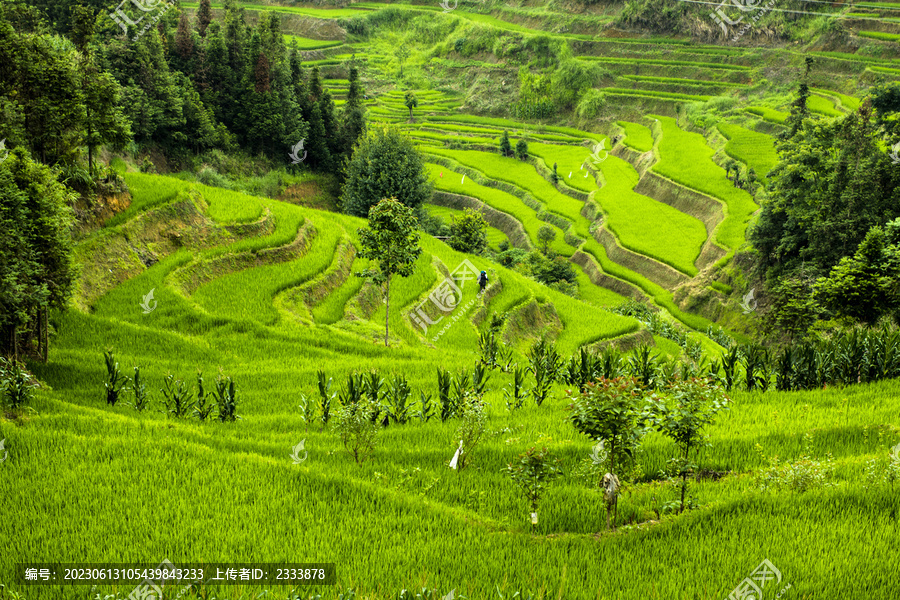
<point x="411" y="102"/>
<point x="472" y="428"/>
<point x="359" y="435"/>
<point x="611" y="410"/>
<point x="533" y="472"/>
<point x="521" y="149"/>
<point x="505" y="147"/>
<point x="392" y="242"/>
<point x="468" y="233"/>
<point x="385" y="164"/>
<point x="546" y="235"/>
<point x="683" y="413"/>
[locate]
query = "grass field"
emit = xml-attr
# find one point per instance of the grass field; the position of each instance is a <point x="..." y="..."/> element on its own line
<point x="87" y="482"/>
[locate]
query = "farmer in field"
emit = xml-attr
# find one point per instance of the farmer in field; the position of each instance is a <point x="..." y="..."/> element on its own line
<point x="482" y="281"/>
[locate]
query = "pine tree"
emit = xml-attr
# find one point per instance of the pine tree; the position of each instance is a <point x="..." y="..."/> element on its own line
<point x="505" y="147"/>
<point x="204" y="16"/>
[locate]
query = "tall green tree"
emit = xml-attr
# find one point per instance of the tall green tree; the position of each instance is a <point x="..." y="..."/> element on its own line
<point x="37" y="270"/>
<point x="385" y="164"/>
<point x="204" y="16"/>
<point x="391" y="241"/>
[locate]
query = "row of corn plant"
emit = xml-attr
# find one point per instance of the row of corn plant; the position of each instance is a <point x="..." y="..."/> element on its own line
<point x="177" y="399"/>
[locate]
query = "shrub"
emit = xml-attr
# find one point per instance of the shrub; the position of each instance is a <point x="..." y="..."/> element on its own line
<point x="468" y="233"/>
<point x="359" y="435"/>
<point x="801" y="475"/>
<point x="534" y="470"/>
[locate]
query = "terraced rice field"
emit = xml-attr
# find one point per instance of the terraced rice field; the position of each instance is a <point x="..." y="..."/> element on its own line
<point x="686" y="159"/>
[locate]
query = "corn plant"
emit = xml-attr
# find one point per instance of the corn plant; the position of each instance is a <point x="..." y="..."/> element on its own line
<point x="480" y="378"/>
<point x="115" y="382"/>
<point x="372" y="385"/>
<point x="226" y="399"/>
<point x="545" y="365"/>
<point x="141" y="399"/>
<point x="326" y="396"/>
<point x="517" y="398"/>
<point x="426" y="410"/>
<point x="489" y="349"/>
<point x="398" y="394"/>
<point x="581" y="368"/>
<point x="756" y="367"/>
<point x="359" y="435"/>
<point x="353" y="392"/>
<point x="15" y="384"/>
<point x="643" y="366"/>
<point x="610" y="363"/>
<point x="533" y="472"/>
<point x="175" y="397"/>
<point x="683" y="413"/>
<point x="307" y="410"/>
<point x="203" y="406"/>
<point x="444" y="393"/>
<point x="729" y="365"/>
